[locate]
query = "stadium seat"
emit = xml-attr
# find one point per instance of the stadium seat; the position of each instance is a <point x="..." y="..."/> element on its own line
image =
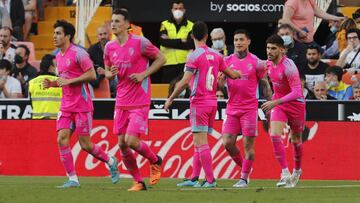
<point x="159" y="90"/>
<point x="104" y="89"/>
<point x="30" y="45"/>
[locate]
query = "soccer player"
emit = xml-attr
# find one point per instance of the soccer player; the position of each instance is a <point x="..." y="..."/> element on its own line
<point x="128" y="56"/>
<point x="201" y="70"/>
<point x="242" y="107"/>
<point x="75" y="71"/>
<point x="287" y="106"/>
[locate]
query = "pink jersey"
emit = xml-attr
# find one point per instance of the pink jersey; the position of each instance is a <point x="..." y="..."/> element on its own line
<point x="242" y="92"/>
<point x="205" y="63"/>
<point x="285" y="80"/>
<point x="72" y="64"/>
<point x="132" y="57"/>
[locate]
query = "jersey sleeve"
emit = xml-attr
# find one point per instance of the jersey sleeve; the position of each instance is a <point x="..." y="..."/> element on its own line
<point x="293" y="78"/>
<point x="148" y="49"/>
<point x="261" y="68"/>
<point x="107" y="61"/>
<point x="191" y="62"/>
<point x="83" y="59"/>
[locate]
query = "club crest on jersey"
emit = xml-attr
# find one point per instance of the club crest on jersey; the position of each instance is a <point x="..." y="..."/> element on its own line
<point x="280" y="76"/>
<point x="210" y="57"/>
<point x="68" y="62"/>
<point x="250" y="66"/>
<point x="131" y="51"/>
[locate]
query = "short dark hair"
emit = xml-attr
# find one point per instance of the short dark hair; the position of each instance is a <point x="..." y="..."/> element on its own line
<point x="177" y="2"/>
<point x="275" y="39"/>
<point x="356" y="14"/>
<point x="286" y="26"/>
<point x="199" y="30"/>
<point x="242" y="31"/>
<point x="122" y="12"/>
<point x="336" y="70"/>
<point x="313" y="46"/>
<point x="352" y="30"/>
<point x="46" y="62"/>
<point x="27" y="50"/>
<point x="5" y="64"/>
<point x="68" y="28"/>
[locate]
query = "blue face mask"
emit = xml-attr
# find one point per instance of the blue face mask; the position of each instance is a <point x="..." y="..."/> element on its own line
<point x="333" y="29"/>
<point x="218" y="44"/>
<point x="287" y="40"/>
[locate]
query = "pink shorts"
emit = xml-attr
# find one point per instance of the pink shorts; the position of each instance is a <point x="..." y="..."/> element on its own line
<point x="78" y="122"/>
<point x="131" y="121"/>
<point x="202" y="118"/>
<point x="293" y="114"/>
<point x="240" y="121"/>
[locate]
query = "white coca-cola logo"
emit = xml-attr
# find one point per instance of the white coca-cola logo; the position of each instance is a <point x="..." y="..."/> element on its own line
<point x="177" y="160"/>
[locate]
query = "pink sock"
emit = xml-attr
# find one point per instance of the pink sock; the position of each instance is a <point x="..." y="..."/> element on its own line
<point x="279" y="150"/>
<point x="98" y="153"/>
<point x="237" y="158"/>
<point x="196" y="164"/>
<point x="246" y="169"/>
<point x="298" y="152"/>
<point x="146" y="152"/>
<point x="67" y="160"/>
<point x="206" y="162"/>
<point x="130" y="163"/>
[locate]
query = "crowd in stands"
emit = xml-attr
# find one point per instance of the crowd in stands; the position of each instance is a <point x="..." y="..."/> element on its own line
<point x="328" y="72"/>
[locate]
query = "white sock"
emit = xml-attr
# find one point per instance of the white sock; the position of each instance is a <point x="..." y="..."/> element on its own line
<point x="285" y="171"/>
<point x="297" y="171"/>
<point x="111" y="161"/>
<point x="74" y="178"/>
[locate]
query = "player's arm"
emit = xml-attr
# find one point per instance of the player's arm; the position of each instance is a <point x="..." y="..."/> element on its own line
<point x="233" y="74"/>
<point x="88" y="76"/>
<point x="111" y="72"/>
<point x="264" y="83"/>
<point x="155" y="66"/>
<point x="47" y="83"/>
<point x="179" y="87"/>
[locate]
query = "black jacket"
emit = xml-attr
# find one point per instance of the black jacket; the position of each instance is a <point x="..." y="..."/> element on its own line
<point x="17" y="13"/>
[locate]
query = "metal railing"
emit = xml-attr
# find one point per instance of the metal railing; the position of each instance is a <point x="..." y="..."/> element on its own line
<point x="85" y="10"/>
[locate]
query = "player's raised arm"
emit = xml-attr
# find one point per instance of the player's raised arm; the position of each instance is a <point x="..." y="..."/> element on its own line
<point x="233" y="74"/>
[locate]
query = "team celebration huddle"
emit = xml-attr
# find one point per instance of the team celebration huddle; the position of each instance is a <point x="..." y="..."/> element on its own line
<point x="127" y="58"/>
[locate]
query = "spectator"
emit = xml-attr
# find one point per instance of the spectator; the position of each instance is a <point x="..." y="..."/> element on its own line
<point x="9" y="86"/>
<point x="331" y="47"/>
<point x="221" y="93"/>
<point x="306" y="92"/>
<point x="337" y="88"/>
<point x="315" y="69"/>
<point x="356" y="17"/>
<point x="350" y="57"/>
<point x="299" y="14"/>
<point x="176" y="43"/>
<point x="23" y="71"/>
<point x="30" y="9"/>
<point x="321" y="92"/>
<point x="184" y="94"/>
<point x="45" y="102"/>
<point x="341" y="35"/>
<point x="4" y="18"/>
<point x="96" y="52"/>
<point x="17" y="15"/>
<point x="356" y="91"/>
<point x="218" y="40"/>
<point x="2" y="51"/>
<point x="296" y="51"/>
<point x="9" y="48"/>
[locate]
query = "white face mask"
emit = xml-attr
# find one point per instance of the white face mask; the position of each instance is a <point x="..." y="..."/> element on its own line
<point x="218" y="44"/>
<point x="287" y="40"/>
<point x="333" y="84"/>
<point x="178" y="14"/>
<point x="333" y="29"/>
<point x="3" y="77"/>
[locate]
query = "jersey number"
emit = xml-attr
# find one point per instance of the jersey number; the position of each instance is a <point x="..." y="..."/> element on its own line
<point x="210" y="79"/>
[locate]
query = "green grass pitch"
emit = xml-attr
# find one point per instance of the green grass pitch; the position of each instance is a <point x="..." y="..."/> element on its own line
<point x="99" y="189"/>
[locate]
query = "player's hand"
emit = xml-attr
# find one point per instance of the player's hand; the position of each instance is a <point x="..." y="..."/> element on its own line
<point x="62" y="82"/>
<point x="221" y="79"/>
<point x="110" y="74"/>
<point x="267" y="106"/>
<point x="137" y="77"/>
<point x="168" y="104"/>
<point x="46" y="83"/>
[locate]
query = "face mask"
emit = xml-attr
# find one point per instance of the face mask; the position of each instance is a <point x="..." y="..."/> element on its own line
<point x="333" y="84"/>
<point x="287" y="40"/>
<point x="18" y="59"/>
<point x="218" y="44"/>
<point x="3" y="77"/>
<point x="178" y="14"/>
<point x="333" y="29"/>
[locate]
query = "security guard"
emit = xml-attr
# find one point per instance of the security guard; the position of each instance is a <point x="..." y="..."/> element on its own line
<point x="45" y="102"/>
<point x="176" y="42"/>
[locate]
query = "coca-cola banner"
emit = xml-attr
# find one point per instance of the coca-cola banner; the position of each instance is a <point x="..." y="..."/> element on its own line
<point x="28" y="147"/>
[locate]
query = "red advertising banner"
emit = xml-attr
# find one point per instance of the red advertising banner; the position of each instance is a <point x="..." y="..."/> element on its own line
<point x="28" y="147"/>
